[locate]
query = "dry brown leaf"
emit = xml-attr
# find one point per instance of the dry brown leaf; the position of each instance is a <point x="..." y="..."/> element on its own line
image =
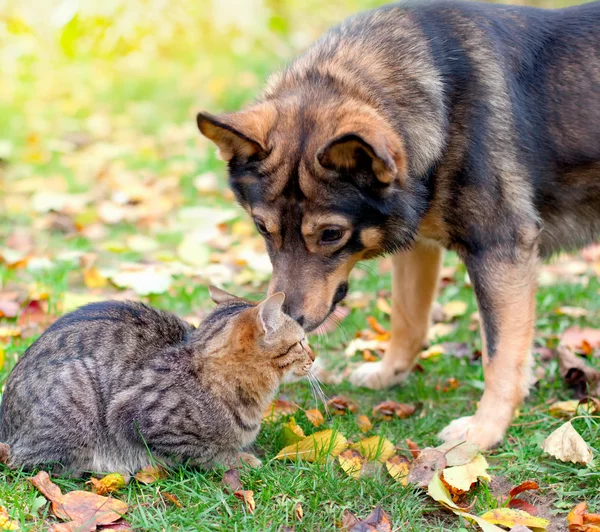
<point x="172" y="499"/>
<point x="390" y="409"/>
<point x="298" y="511"/>
<point x="384" y="306"/>
<point x="351" y="461"/>
<point x="6" y="523"/>
<point x="573" y="337"/>
<point x="577" y="373"/>
<point x="364" y="423"/>
<point x="279" y="408"/>
<point x="528" y="485"/>
<point x="150" y="474"/>
<point x="107" y="484"/>
<point x="414" y="449"/>
<point x="398" y="467"/>
<point x="376" y="521"/>
<point x="375" y="448"/>
<point x="248" y="497"/>
<point x="566" y="444"/>
<point x="520" y="504"/>
<point x="231" y="480"/>
<point x="425" y="466"/>
<point x="81" y="508"/>
<point x="315" y="448"/>
<point x="315" y="417"/>
<point x="581" y="521"/>
<point x="340" y="405"/>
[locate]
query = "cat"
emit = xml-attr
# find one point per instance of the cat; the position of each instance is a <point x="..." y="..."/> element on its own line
<point x="112" y="384"/>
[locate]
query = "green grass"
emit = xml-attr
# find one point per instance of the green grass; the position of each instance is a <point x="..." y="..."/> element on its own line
<point x="149" y="102"/>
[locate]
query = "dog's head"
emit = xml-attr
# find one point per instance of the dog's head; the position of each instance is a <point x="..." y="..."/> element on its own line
<point x="326" y="184"/>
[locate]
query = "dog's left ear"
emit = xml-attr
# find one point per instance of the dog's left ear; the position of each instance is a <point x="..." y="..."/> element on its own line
<point x="355" y="151"/>
<point x="242" y="134"/>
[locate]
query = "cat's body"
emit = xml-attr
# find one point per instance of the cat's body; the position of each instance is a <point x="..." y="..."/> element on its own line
<point x="112" y="383"/>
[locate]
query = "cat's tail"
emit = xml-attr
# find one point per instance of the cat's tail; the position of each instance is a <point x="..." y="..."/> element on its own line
<point x="4" y="454"/>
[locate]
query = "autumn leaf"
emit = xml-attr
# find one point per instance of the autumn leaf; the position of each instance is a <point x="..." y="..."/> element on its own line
<point x="572" y="312"/>
<point x="571" y="407"/>
<point x="81" y="508"/>
<point x="398" y="467"/>
<point x="390" y="409"/>
<point x="231" y="480"/>
<point x="455" y="309"/>
<point x="340" y="405"/>
<point x="364" y="423"/>
<point x="248" y="497"/>
<point x="375" y="448"/>
<point x="173" y="499"/>
<point x="291" y="432"/>
<point x="376" y="521"/>
<point x="315" y="417"/>
<point x="150" y="474"/>
<point x="384" y="306"/>
<point x="433" y="351"/>
<point x="577" y="373"/>
<point x="376" y="326"/>
<point x="107" y="484"/>
<point x="528" y="485"/>
<point x="462" y="477"/>
<point x="279" y="408"/>
<point x="6" y="523"/>
<point x="573" y="337"/>
<point x="351" y="461"/>
<point x="580" y="520"/>
<point x="299" y="511"/>
<point x="508" y="517"/>
<point x="315" y="448"/>
<point x="144" y="281"/>
<point x="414" y="449"/>
<point x="425" y="466"/>
<point x="93" y="278"/>
<point x="458" y="453"/>
<point x="567" y="445"/>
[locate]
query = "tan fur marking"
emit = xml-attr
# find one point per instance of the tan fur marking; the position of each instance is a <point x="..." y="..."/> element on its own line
<point x="371" y="238"/>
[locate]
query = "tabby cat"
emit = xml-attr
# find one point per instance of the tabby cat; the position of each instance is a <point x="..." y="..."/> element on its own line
<point x="112" y="383"/>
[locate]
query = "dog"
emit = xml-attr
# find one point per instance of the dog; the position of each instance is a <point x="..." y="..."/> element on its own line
<point x="415" y="128"/>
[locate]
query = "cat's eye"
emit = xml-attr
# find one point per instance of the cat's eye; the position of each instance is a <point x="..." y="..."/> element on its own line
<point x="262" y="228"/>
<point x="331" y="235"/>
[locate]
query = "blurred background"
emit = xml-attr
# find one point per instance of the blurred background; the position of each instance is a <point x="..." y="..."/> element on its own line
<point x="106" y="188"/>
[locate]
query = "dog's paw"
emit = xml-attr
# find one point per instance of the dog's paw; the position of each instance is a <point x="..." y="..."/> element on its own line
<point x="467" y="428"/>
<point x="377" y="376"/>
<point x="250" y="460"/>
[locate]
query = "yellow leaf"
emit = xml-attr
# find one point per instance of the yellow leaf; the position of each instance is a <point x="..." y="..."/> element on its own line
<point x="315" y="417"/>
<point x="570" y="408"/>
<point x="150" y="474"/>
<point x="567" y="445"/>
<point x="364" y="423"/>
<point x="6" y="523"/>
<point x="464" y="476"/>
<point x="509" y="518"/>
<point x="375" y="448"/>
<point x="10" y="332"/>
<point x="298" y="510"/>
<point x="397" y="467"/>
<point x="384" y="306"/>
<point x="1" y="357"/>
<point x="93" y="278"/>
<point x="351" y="462"/>
<point x="248" y="497"/>
<point x="107" y="484"/>
<point x="291" y="432"/>
<point x="440" y="330"/>
<point x="454" y="309"/>
<point x="434" y="350"/>
<point x="315" y="448"/>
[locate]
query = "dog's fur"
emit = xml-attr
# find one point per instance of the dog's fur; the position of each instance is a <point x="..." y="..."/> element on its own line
<point x="417" y="127"/>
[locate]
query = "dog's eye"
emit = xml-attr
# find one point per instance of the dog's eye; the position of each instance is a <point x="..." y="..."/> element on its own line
<point x="262" y="229"/>
<point x="331" y="236"/>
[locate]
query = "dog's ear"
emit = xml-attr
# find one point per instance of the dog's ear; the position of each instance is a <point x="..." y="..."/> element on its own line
<point x="353" y="151"/>
<point x="242" y="134"/>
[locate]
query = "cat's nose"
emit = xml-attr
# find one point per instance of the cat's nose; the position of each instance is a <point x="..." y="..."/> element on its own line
<point x="308" y="350"/>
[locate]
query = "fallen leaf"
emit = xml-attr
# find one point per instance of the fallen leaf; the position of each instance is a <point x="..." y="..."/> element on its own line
<point x="414" y="449"/>
<point x="567" y="445"/>
<point x="368" y="356"/>
<point x="454" y="309"/>
<point x="581" y="521"/>
<point x="398" y="467"/>
<point x="298" y="511"/>
<point x="571" y="407"/>
<point x="384" y="306"/>
<point x="573" y="337"/>
<point x="520" y="504"/>
<point x="425" y="466"/>
<point x="528" y="485"/>
<point x="572" y="312"/>
<point x="231" y="480"/>
<point x="144" y="282"/>
<point x="433" y="351"/>
<point x="340" y="405"/>
<point x="364" y="423"/>
<point x="248" y="497"/>
<point x="390" y="409"/>
<point x="358" y="345"/>
<point x="376" y="521"/>
<point x="107" y="484"/>
<point x="577" y="373"/>
<point x="376" y="326"/>
<point x="315" y="448"/>
<point x="6" y="523"/>
<point x="351" y="461"/>
<point x="291" y="432"/>
<point x="81" y="508"/>
<point x="172" y="499"/>
<point x="94" y="279"/>
<point x="315" y="417"/>
<point x="8" y="309"/>
<point x="462" y="477"/>
<point x="375" y="448"/>
<point x="440" y="330"/>
<point x="150" y="474"/>
<point x="509" y="518"/>
<point x="278" y="409"/>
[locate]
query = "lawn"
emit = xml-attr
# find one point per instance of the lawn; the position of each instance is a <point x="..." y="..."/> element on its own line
<point x="107" y="191"/>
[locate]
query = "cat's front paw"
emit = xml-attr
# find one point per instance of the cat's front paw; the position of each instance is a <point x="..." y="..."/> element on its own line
<point x="250" y="460"/>
<point x="377" y="376"/>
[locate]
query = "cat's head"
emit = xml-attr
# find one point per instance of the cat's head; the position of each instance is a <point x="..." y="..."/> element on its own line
<point x="264" y="333"/>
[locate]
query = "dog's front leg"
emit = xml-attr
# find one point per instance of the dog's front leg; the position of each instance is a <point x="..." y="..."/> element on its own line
<point x="505" y="285"/>
<point x="415" y="276"/>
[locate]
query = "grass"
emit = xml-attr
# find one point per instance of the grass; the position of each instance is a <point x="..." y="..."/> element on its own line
<point x="140" y="108"/>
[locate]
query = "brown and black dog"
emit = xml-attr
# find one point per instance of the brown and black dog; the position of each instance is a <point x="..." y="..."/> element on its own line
<point x="418" y="127"/>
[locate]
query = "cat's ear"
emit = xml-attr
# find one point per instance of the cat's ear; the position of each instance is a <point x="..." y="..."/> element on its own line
<point x="270" y="313"/>
<point x="220" y="296"/>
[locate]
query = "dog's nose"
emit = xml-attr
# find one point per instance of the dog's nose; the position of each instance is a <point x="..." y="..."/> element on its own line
<point x="299" y="320"/>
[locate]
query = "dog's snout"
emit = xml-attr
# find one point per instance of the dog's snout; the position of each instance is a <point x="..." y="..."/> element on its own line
<point x="288" y="308"/>
<point x="340" y="293"/>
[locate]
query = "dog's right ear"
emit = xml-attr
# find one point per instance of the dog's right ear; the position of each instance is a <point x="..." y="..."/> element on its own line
<point x="242" y="134"/>
<point x="220" y="296"/>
